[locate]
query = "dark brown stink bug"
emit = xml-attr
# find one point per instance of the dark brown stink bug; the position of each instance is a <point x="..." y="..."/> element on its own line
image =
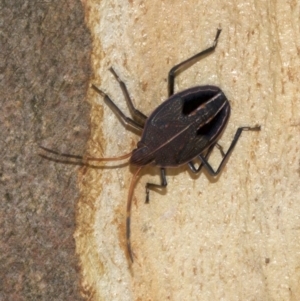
<point x="183" y="128"/>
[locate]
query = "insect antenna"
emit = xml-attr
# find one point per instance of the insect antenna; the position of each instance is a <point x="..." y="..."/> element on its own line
<point x="128" y="214"/>
<point x="78" y="160"/>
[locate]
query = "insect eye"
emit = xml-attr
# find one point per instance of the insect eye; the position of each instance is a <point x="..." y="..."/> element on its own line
<point x="192" y="103"/>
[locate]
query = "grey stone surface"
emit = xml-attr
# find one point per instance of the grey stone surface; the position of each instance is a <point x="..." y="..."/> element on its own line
<point x="44" y="73"/>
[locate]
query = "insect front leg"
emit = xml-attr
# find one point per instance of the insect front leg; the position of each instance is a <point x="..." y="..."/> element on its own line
<point x="124" y="119"/>
<point x="163" y="184"/>
<point x="233" y="143"/>
<point x="189" y="62"/>
<point x="136" y="114"/>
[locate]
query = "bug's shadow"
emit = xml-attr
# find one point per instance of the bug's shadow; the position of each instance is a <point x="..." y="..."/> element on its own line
<point x="173" y="172"/>
<point x="211" y="179"/>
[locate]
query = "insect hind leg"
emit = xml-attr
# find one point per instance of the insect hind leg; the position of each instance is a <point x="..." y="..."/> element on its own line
<point x="163" y="184"/>
<point x="229" y="151"/>
<point x="191" y="164"/>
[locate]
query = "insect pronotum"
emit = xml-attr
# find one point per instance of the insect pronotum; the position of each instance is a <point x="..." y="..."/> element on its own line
<point x="183" y="128"/>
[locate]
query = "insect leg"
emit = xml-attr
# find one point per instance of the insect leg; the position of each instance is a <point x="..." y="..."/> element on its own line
<point x="233" y="143"/>
<point x="163" y="184"/>
<point x="192" y="165"/>
<point x="189" y="62"/>
<point x="220" y="148"/>
<point x="136" y="114"/>
<point x="125" y="120"/>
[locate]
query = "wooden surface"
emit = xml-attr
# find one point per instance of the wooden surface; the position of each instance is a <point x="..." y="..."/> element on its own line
<point x="230" y="238"/>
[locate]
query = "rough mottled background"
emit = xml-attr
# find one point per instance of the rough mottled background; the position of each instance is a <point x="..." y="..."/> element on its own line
<point x="45" y="67"/>
<point x="234" y="237"/>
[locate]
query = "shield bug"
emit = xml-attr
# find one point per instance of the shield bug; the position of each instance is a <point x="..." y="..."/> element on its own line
<point x="185" y="127"/>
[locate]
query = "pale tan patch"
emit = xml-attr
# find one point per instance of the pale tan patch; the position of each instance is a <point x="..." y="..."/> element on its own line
<point x="234" y="238"/>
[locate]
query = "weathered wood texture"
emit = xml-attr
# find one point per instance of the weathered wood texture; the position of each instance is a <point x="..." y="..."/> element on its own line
<point x="231" y="238"/>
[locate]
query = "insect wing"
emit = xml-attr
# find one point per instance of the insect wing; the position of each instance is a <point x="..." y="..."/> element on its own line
<point x="173" y="132"/>
<point x="206" y="136"/>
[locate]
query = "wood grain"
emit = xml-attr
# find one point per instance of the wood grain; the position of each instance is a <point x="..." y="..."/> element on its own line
<point x="230" y="238"/>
